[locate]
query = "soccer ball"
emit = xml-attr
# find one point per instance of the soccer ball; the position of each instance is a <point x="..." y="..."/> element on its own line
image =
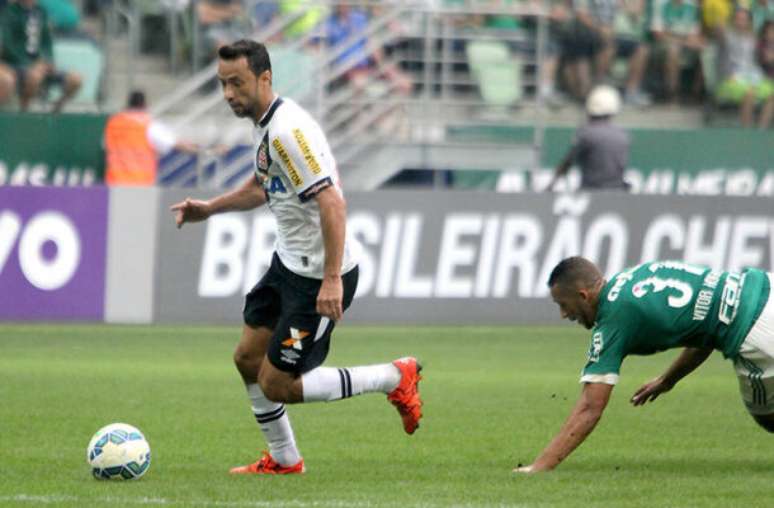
<point x="118" y="452"/>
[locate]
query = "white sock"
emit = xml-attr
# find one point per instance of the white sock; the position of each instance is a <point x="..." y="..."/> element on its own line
<point x="329" y="383"/>
<point x="275" y="425"/>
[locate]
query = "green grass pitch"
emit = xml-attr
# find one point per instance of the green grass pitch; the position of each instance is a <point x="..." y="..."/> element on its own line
<point x="494" y="396"/>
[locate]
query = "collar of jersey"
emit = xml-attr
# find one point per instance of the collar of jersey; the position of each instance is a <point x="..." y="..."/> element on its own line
<point x="266" y="118"/>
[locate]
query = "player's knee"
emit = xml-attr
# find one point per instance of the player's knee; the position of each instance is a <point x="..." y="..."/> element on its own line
<point x="73" y="82"/>
<point x="765" y="421"/>
<point x="273" y="391"/>
<point x="7" y="82"/>
<point x="246" y="364"/>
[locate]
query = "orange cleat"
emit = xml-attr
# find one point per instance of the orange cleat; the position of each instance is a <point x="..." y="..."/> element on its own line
<point x="267" y="465"/>
<point x="405" y="396"/>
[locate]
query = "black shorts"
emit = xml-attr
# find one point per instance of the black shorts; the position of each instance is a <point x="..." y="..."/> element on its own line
<point x="580" y="41"/>
<point x="286" y="302"/>
<point x="53" y="78"/>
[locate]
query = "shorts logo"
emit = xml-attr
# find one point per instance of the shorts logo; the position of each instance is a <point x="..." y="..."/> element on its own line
<point x="295" y="178"/>
<point x="290" y="356"/>
<point x="294" y="341"/>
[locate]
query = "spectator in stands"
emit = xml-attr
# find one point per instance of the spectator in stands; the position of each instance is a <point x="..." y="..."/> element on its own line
<point x="765" y="49"/>
<point x="762" y="11"/>
<point x="134" y="141"/>
<point x="676" y="28"/>
<point x="7" y="83"/>
<point x="743" y="80"/>
<point x="361" y="60"/>
<point x="630" y="44"/>
<point x="304" y="23"/>
<point x="27" y="47"/>
<point x="63" y="15"/>
<point x="222" y="21"/>
<point x="263" y="13"/>
<point x="591" y="40"/>
<point x="715" y="15"/>
<point x="560" y="21"/>
<point x="601" y="149"/>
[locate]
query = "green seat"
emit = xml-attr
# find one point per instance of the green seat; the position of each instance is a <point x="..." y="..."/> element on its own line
<point x="292" y="72"/>
<point x="85" y="58"/>
<point x="496" y="71"/>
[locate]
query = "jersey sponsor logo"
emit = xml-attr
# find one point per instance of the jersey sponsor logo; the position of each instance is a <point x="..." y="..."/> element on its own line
<point x="295" y="178"/>
<point x="308" y="156"/>
<point x="596" y="347"/>
<point x="729" y="299"/>
<point x="315" y="189"/>
<point x="275" y="185"/>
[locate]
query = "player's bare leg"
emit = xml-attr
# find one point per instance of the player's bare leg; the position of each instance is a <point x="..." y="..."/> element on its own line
<point x="283" y="456"/>
<point x="399" y="380"/>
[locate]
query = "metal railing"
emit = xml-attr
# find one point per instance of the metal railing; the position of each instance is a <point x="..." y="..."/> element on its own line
<point x="429" y="50"/>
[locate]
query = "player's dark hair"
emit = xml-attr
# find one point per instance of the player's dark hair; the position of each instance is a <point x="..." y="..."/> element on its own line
<point x="574" y="271"/>
<point x="136" y="99"/>
<point x="256" y="54"/>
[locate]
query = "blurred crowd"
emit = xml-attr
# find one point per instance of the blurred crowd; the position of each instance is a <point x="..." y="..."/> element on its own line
<point x="654" y="51"/>
<point x="27" y="67"/>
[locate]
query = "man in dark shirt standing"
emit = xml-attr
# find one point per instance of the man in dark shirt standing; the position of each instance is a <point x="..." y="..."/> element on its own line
<point x="28" y="49"/>
<point x="600" y="148"/>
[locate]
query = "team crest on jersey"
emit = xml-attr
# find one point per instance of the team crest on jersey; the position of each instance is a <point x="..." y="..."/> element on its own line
<point x="262" y="157"/>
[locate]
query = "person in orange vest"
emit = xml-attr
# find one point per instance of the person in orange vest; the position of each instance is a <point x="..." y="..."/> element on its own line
<point x="134" y="140"/>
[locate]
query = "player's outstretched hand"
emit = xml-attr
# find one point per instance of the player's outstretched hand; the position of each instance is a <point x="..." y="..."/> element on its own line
<point x="330" y="297"/>
<point x="190" y="210"/>
<point x="650" y="391"/>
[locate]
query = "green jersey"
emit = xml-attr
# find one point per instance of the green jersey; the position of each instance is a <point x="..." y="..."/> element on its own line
<point x="667" y="304"/>
<point x="24" y="35"/>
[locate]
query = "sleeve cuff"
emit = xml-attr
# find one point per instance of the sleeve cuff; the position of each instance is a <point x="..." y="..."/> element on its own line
<point x="608" y="379"/>
<point x="315" y="189"/>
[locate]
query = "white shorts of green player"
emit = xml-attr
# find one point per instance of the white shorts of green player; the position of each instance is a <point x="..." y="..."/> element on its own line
<point x="755" y="364"/>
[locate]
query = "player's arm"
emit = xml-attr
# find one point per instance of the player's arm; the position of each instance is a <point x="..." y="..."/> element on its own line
<point x="333" y="220"/>
<point x="247" y="197"/>
<point x="683" y="365"/>
<point x="584" y="417"/>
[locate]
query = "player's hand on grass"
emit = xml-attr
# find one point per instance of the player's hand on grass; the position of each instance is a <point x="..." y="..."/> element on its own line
<point x="190" y="210"/>
<point x="525" y="469"/>
<point x="533" y="468"/>
<point x="330" y="297"/>
<point x="650" y="391"/>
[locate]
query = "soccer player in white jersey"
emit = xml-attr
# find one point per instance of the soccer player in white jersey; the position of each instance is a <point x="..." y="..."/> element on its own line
<point x="290" y="314"/>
